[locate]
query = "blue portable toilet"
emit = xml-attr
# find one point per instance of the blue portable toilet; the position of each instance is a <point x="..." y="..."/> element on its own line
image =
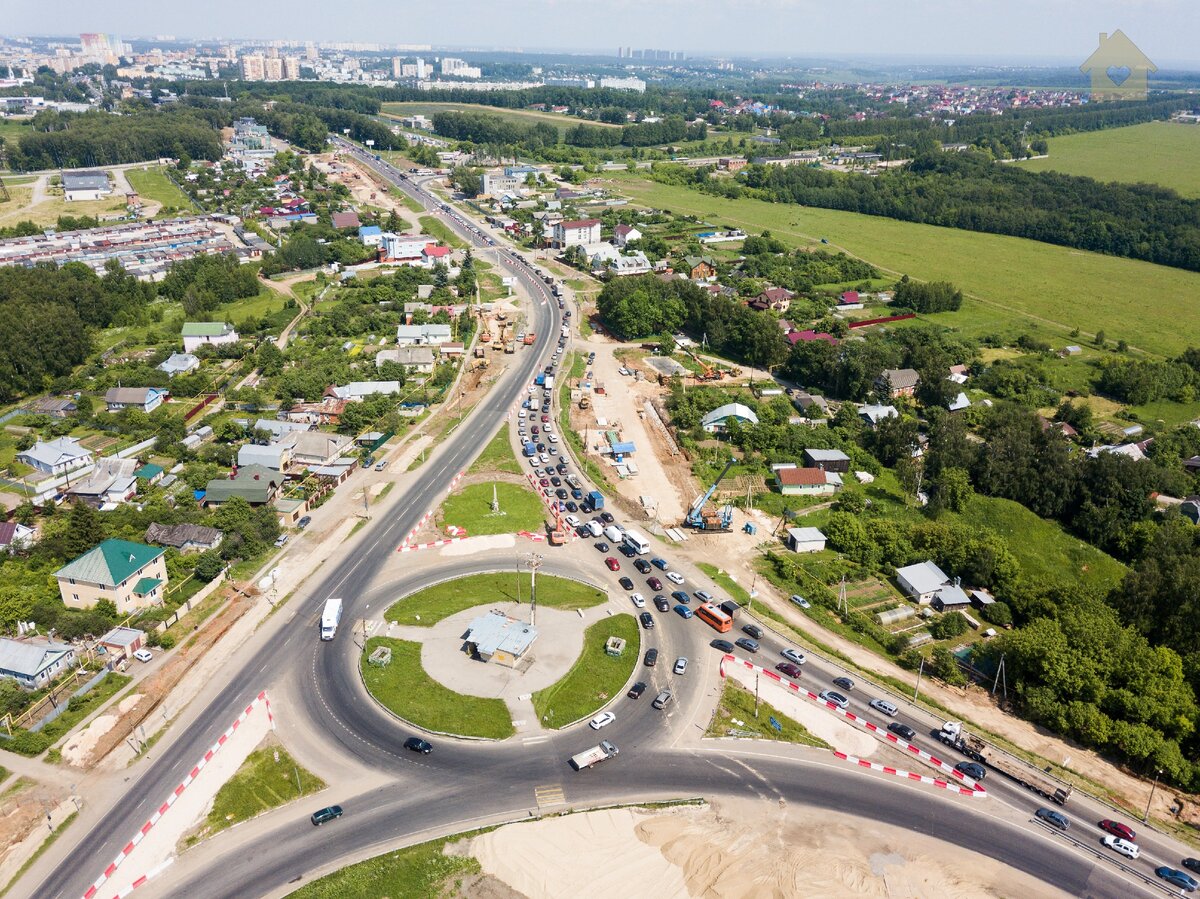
<point x="750" y="528"/>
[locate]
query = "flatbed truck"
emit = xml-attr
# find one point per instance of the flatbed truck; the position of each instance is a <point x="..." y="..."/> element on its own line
<point x="952" y="734"/>
<point x="594" y="756"/>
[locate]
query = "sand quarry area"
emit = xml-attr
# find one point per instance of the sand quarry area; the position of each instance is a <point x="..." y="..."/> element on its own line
<point x="739" y="849"/>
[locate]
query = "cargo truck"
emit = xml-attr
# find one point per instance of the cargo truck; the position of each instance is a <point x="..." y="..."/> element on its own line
<point x="952" y="734"/>
<point x="530" y="449"/>
<point x="330" y="618"/>
<point x="593" y="756"/>
<point x="596" y="500"/>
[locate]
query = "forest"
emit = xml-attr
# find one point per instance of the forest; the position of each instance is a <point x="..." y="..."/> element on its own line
<point x="481" y="128"/>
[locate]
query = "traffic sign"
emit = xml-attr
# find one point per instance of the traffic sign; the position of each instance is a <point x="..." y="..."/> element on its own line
<point x="775" y="724"/>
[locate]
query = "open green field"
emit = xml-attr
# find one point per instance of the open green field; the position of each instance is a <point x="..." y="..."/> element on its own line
<point x="595" y="678"/>
<point x="521" y="116"/>
<point x="260" y="784"/>
<point x="435" y="228"/>
<point x="267" y="302"/>
<point x="497" y="455"/>
<point x="738" y="702"/>
<point x="12" y="129"/>
<point x="1163" y="153"/>
<point x="429" y="606"/>
<point x="471" y="509"/>
<point x="404" y="688"/>
<point x="1012" y="285"/>
<point x="153" y="184"/>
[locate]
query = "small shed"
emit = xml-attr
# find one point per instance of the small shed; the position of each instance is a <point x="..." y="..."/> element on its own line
<point x="805" y="540"/>
<point x="122" y="642"/>
<point x="615" y="646"/>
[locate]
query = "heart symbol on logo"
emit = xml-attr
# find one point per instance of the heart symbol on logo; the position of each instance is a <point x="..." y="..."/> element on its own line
<point x="1118" y="74"/>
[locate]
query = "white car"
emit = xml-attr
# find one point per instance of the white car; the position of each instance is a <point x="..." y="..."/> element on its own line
<point x="882" y="705"/>
<point x="1120" y="846"/>
<point x="674" y="577"/>
<point x="801" y="601"/>
<point x="602" y="720"/>
<point x="834" y="698"/>
<point x="521" y="414"/>
<point x="681" y="664"/>
<point x="553" y="437"/>
<point x="638" y="600"/>
<point x="143" y="655"/>
<point x="573" y="521"/>
<point x="622" y="370"/>
<point x="543" y="458"/>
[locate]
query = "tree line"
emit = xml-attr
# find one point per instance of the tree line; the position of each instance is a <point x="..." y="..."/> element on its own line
<point x="482" y="128"/>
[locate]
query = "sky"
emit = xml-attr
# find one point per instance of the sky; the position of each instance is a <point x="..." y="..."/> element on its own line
<point x="1018" y="32"/>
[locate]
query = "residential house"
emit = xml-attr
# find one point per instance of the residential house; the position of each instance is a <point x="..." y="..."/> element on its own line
<point x="341" y="220"/>
<point x="109" y="484"/>
<point x="15" y="537"/>
<point x="149" y="474"/>
<point x="428" y="334"/>
<point x="808" y="335"/>
<point x="275" y="427"/>
<point x="960" y="402"/>
<point x="807" y="481"/>
<point x="121" y="643"/>
<point x="811" y="404"/>
<point x="357" y="391"/>
<point x="179" y="364"/>
<point x="921" y="581"/>
<point x="404" y="249"/>
<point x="433" y="254"/>
<point x="637" y="264"/>
<point x="313" y="448"/>
<point x="34" y="663"/>
<point x="625" y="234"/>
<point x="898" y="382"/>
<point x="256" y="484"/>
<point x="805" y="540"/>
<point x="415" y="358"/>
<point x="53" y="406"/>
<point x="451" y="350"/>
<point x="130" y="575"/>
<point x="187" y="538"/>
<point x="198" y="334"/>
<point x="599" y="255"/>
<point x="717" y="421"/>
<point x="850" y="300"/>
<point x="275" y="456"/>
<point x="873" y="414"/>
<point x="327" y="411"/>
<point x="950" y="598"/>
<point x="828" y="459"/>
<point x="85" y="185"/>
<point x="773" y="299"/>
<point x="144" y="399"/>
<point x="700" y="268"/>
<point x="576" y="233"/>
<point x="371" y="235"/>
<point x="56" y="457"/>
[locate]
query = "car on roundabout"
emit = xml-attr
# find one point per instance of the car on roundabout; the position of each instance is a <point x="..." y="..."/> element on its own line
<point x="602" y="720"/>
<point x="416" y="744"/>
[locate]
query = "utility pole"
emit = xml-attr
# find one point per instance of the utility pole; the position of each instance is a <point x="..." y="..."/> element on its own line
<point x="535" y="562"/>
<point x="755" y="694"/>
<point x="1146" y="817"/>
<point x="920" y="671"/>
<point x="1000" y="677"/>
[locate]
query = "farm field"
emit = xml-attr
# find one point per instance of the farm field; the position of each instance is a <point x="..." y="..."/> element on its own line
<point x="523" y="116"/>
<point x="1163" y="153"/>
<point x="1013" y="285"/>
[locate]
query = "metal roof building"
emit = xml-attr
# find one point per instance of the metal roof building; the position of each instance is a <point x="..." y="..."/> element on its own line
<point x="496" y="637"/>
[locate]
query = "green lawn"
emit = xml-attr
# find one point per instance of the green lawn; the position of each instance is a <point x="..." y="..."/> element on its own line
<point x="1011" y="283"/>
<point x="497" y="455"/>
<point x="735" y="590"/>
<point x="404" y="688"/>
<point x="595" y="678"/>
<point x="520" y="116"/>
<point x="267" y="302"/>
<point x="13" y="129"/>
<point x="417" y="871"/>
<point x="1163" y="153"/>
<point x="471" y="508"/>
<point x="738" y="702"/>
<point x="260" y="784"/>
<point x="435" y="228"/>
<point x="153" y="184"/>
<point x="429" y="606"/>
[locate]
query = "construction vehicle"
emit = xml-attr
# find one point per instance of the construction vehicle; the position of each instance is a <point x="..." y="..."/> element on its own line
<point x="557" y="536"/>
<point x="585" y="402"/>
<point x="952" y="734"/>
<point x="717" y="520"/>
<point x="510" y="347"/>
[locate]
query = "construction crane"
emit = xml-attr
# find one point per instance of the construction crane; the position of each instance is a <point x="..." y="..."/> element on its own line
<point x="718" y="520"/>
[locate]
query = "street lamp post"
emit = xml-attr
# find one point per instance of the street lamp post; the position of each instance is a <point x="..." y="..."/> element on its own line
<point x="1146" y="817"/>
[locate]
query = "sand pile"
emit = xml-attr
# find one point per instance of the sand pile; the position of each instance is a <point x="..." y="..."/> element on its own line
<point x="78" y="749"/>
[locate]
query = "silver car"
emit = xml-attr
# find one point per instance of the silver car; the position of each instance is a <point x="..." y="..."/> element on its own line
<point x="882" y="705"/>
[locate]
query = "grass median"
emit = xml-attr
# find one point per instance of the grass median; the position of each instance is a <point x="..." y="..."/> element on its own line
<point x="404" y="688"/>
<point x="519" y="509"/>
<point x="429" y="606"/>
<point x="497" y="455"/>
<point x="735" y="717"/>
<point x="595" y="678"/>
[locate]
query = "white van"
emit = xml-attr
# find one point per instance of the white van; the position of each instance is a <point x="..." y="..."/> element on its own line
<point x="594" y="528"/>
<point x="614" y="533"/>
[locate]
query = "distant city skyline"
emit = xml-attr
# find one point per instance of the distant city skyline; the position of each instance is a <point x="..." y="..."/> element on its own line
<point x="955" y="32"/>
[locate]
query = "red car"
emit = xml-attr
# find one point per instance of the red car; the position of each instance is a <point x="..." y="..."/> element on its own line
<point x="545" y="482"/>
<point x="655" y="583"/>
<point x="1117" y="829"/>
<point x="613" y="564"/>
<point x="789" y="669"/>
<point x="545" y="419"/>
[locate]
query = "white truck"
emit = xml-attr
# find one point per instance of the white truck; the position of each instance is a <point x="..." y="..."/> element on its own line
<point x="637" y="542"/>
<point x="330" y="618"/>
<point x="593" y="756"/>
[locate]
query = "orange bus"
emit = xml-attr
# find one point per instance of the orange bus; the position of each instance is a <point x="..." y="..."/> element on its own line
<point x="714" y="617"/>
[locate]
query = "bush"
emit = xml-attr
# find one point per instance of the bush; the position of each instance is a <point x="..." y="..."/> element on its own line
<point x="950" y="625"/>
<point x="998" y="613"/>
<point x="27" y="742"/>
<point x="166" y="640"/>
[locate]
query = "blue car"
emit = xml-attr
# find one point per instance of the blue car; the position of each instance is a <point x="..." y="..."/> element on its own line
<point x="681" y="597"/>
<point x="683" y="611"/>
<point x="660" y="564"/>
<point x="1178" y="878"/>
<point x="576" y="494"/>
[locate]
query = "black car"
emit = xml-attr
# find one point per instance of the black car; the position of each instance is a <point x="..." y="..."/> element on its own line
<point x="660" y="603"/>
<point x="626" y="550"/>
<point x="561" y="468"/>
<point x="723" y="645"/>
<point x="560" y="493"/>
<point x="637" y="690"/>
<point x="602" y="546"/>
<point x="626" y="583"/>
<point x="752" y="630"/>
<point x="571" y="507"/>
<point x="326" y="814"/>
<point x="541" y="447"/>
<point x="844" y="682"/>
<point x="747" y="644"/>
<point x="556" y="481"/>
<point x="903" y="731"/>
<point x="973" y="770"/>
<point x="1192" y="864"/>
<point x="651" y="658"/>
<point x="607" y="518"/>
<point x="647" y="620"/>
<point x="1053" y="818"/>
<point x="642" y="565"/>
<point x="680" y="596"/>
<point x="304" y="522"/>
<point x="416" y="744"/>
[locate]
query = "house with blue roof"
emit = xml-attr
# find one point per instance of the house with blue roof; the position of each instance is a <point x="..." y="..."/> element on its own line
<point x="371" y="235"/>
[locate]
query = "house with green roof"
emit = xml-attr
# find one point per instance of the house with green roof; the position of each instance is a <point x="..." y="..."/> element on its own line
<point x="198" y="334"/>
<point x="254" y="483"/>
<point x="131" y="575"/>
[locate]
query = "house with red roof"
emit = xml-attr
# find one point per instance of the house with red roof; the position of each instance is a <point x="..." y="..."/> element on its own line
<point x="576" y="233"/>
<point x="850" y="300"/>
<point x="808" y="336"/>
<point x="433" y="254"/>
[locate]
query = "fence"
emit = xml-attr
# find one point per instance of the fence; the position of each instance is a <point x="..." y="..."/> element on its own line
<point x="200" y="406"/>
<point x="202" y="594"/>
<point x="883" y="321"/>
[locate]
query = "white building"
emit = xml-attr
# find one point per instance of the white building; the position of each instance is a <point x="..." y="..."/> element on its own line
<point x="198" y="334"/>
<point x="921" y="581"/>
<point x="624" y="84"/>
<point x="576" y="233"/>
<point x="57" y="456"/>
<point x="805" y="540"/>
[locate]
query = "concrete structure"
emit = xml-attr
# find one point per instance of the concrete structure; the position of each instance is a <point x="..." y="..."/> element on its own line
<point x="131" y="575"/>
<point x="717" y="421"/>
<point x="198" y="334"/>
<point x="144" y="399"/>
<point x="186" y="538"/>
<point x="34" y="663"/>
<point x="85" y="185"/>
<point x="495" y="637"/>
<point x="805" y="540"/>
<point x="921" y="581"/>
<point x="56" y="457"/>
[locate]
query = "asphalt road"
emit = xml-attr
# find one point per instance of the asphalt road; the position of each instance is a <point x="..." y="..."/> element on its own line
<point x="463" y="781"/>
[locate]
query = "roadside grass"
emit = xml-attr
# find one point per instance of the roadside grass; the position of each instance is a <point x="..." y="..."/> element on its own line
<point x="435" y="228"/>
<point x="152" y="183"/>
<point x="497" y="455"/>
<point x="471" y="509"/>
<point x="595" y="678"/>
<point x="32" y="743"/>
<point x="1163" y="153"/>
<point x="404" y="688"/>
<point x="735" y="716"/>
<point x="726" y="583"/>
<point x="266" y="780"/>
<point x="1012" y="284"/>
<point x="410" y="204"/>
<point x="427" y="607"/>
<point x="421" y="870"/>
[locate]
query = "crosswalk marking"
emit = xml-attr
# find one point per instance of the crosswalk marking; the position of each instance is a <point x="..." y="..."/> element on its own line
<point x="549" y="795"/>
<point x="531" y="741"/>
